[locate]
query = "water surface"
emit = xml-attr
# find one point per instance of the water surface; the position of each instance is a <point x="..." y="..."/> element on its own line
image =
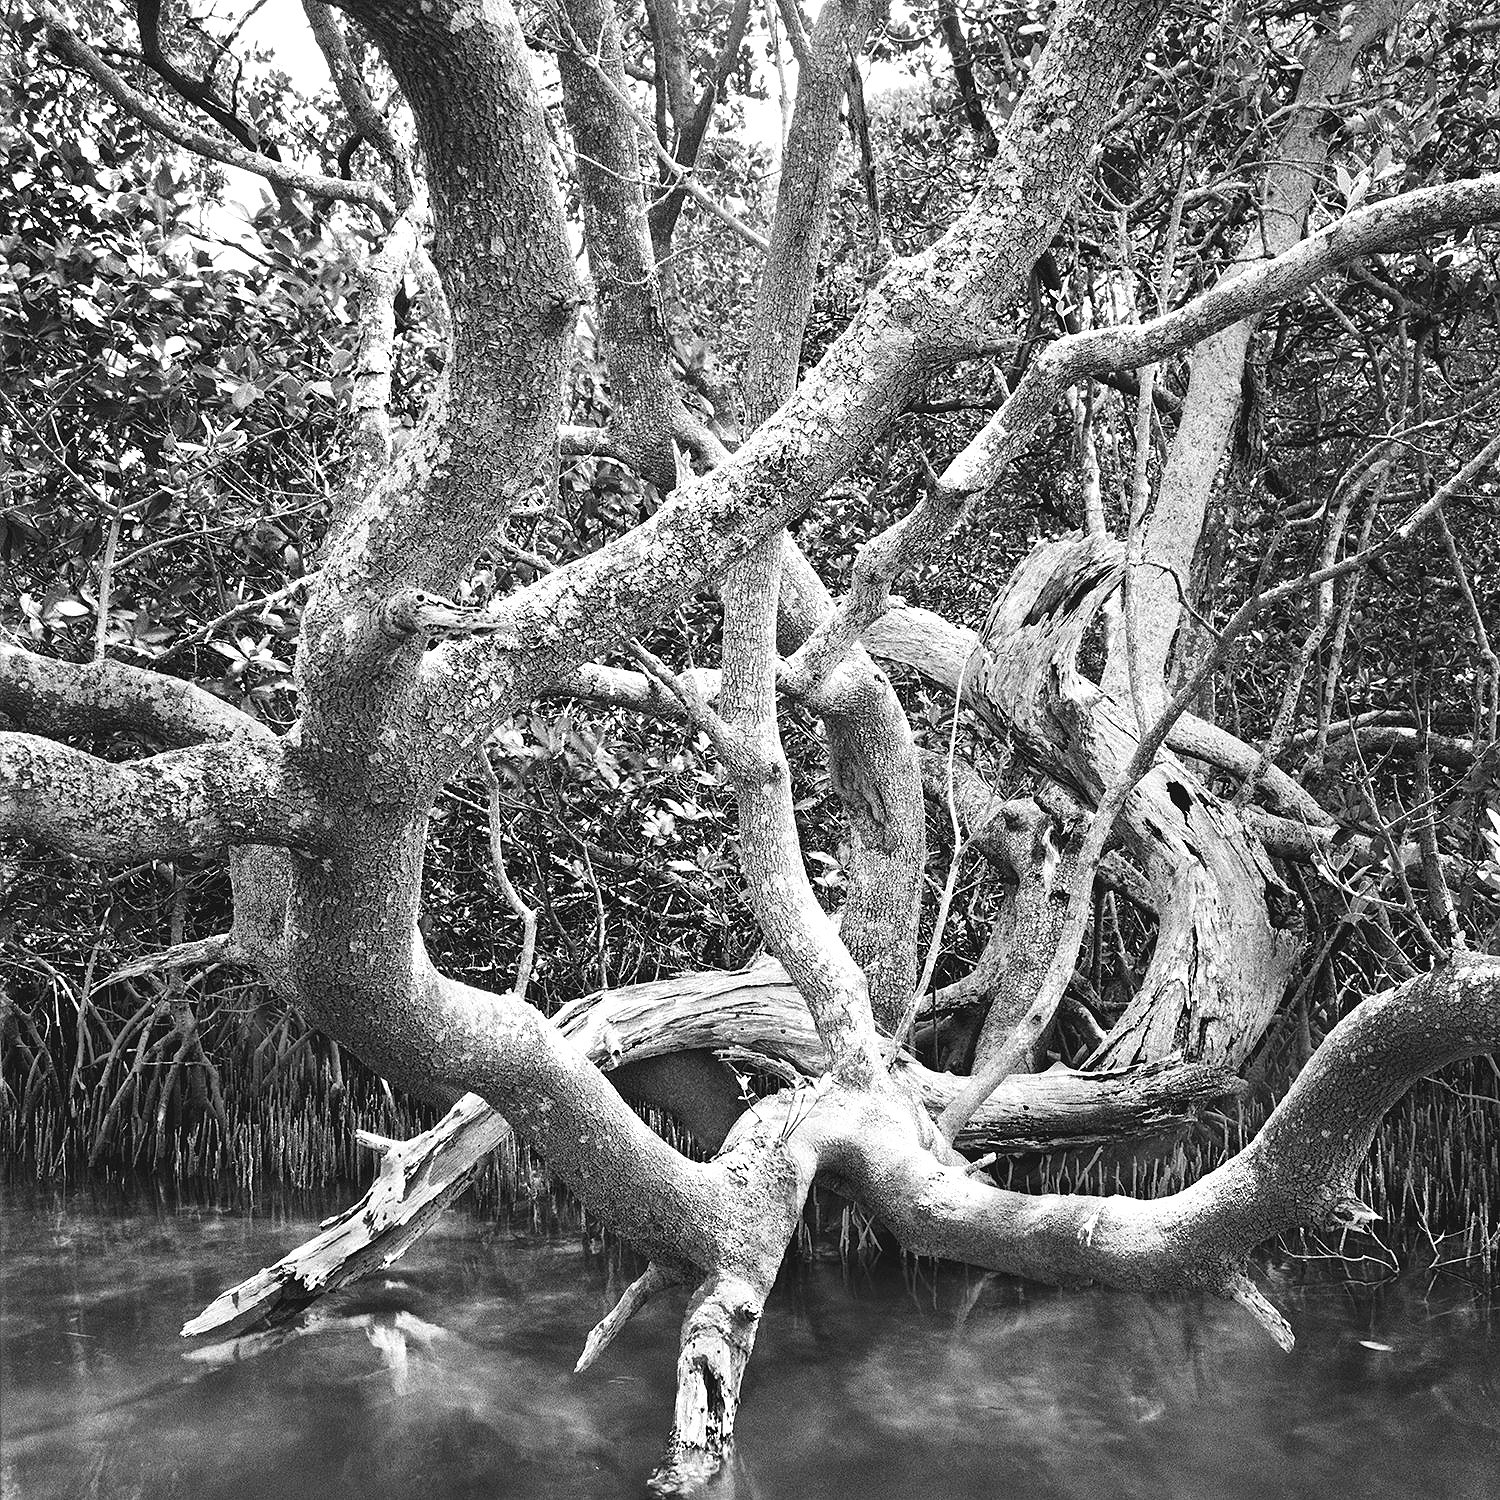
<point x="450" y="1376"/>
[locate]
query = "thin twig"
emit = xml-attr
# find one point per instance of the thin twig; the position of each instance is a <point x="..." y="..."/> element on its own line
<point x="106" y="578"/>
<point x="519" y="908"/>
<point x="960" y="844"/>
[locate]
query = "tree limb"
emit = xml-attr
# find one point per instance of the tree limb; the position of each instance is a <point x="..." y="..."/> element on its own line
<point x="200" y="800"/>
<point x="73" y="49"/>
<point x="56" y="698"/>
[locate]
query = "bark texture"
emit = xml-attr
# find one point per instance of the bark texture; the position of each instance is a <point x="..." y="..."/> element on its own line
<point x="326" y="827"/>
<point x="1162" y="576"/>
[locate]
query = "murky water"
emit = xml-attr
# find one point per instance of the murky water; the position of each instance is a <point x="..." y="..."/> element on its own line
<point x="451" y="1377"/>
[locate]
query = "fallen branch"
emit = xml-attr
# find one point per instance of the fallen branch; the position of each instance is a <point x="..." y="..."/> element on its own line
<point x="210" y="950"/>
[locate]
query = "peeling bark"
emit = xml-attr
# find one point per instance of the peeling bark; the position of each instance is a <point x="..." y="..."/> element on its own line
<point x="1230" y="932"/>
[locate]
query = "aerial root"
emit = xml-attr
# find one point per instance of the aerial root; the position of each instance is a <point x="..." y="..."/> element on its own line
<point x="1248" y="1295"/>
<point x="655" y="1278"/>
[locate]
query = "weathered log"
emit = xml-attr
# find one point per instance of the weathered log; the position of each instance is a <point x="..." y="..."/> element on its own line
<point x="718" y="1335"/>
<point x="416" y="1181"/>
<point x="1230" y="931"/>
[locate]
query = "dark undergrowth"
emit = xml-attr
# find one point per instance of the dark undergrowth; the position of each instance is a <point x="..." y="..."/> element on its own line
<point x="288" y="1118"/>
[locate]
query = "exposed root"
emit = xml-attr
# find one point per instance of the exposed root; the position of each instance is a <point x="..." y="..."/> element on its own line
<point x="877" y="1141"/>
<point x="1030" y="1112"/>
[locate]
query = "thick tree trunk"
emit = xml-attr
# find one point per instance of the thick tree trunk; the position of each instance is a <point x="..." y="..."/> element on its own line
<point x="327" y="826"/>
<point x="755" y="1020"/>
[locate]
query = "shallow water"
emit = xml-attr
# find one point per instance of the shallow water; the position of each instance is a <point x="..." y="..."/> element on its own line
<point x="450" y="1376"/>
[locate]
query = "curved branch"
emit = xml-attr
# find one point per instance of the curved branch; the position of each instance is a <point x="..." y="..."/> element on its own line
<point x="367" y="120"/>
<point x="796" y="927"/>
<point x="73" y="49"/>
<point x="758" y="1020"/>
<point x="1228" y="934"/>
<point x="1096" y="352"/>
<point x="196" y="91"/>
<point x="925" y="309"/>
<point x="938" y="649"/>
<point x="1299" y="1170"/>
<point x="488" y="438"/>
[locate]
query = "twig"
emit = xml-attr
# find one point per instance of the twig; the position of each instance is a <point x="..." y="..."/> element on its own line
<point x="1292" y="694"/>
<point x="909" y="1015"/>
<point x="519" y="908"/>
<point x="1476" y="619"/>
<point x="106" y="578"/>
<point x="244" y="607"/>
<point x="640" y="1291"/>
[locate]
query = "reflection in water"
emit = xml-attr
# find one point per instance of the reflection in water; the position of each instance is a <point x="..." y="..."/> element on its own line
<point x="450" y="1376"/>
